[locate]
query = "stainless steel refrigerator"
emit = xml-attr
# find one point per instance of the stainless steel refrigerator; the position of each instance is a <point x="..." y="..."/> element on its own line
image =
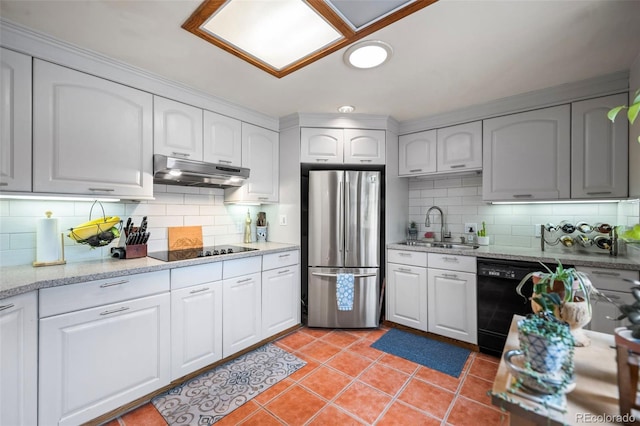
<point x="343" y="238"/>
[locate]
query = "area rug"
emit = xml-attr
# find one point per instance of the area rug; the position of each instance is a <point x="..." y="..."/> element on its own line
<point x="434" y="354"/>
<point x="212" y="395"/>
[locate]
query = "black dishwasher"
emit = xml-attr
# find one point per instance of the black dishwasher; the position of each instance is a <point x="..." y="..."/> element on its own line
<point x="498" y="300"/>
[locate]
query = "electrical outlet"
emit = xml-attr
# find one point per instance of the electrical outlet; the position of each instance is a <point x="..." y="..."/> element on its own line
<point x="283" y="219"/>
<point x="536" y="230"/>
<point x="471" y="227"/>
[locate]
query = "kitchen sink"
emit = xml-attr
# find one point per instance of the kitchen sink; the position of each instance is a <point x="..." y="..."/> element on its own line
<point x="441" y="245"/>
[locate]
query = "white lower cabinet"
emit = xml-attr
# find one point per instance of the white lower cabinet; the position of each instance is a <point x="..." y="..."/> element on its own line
<point x="452" y="304"/>
<point x="97" y="359"/>
<point x="407" y="288"/>
<point x="241" y="311"/>
<point x="280" y="293"/>
<point x="19" y="359"/>
<point x="196" y="318"/>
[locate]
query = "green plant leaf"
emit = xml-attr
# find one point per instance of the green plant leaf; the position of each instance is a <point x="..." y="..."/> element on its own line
<point x="613" y="112"/>
<point x="636" y="98"/>
<point x="632" y="114"/>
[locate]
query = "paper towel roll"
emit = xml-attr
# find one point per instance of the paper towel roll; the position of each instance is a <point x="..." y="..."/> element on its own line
<point x="47" y="240"/>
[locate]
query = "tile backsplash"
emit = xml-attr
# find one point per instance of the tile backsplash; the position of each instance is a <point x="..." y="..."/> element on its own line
<point x="460" y="199"/>
<point x="173" y="206"/>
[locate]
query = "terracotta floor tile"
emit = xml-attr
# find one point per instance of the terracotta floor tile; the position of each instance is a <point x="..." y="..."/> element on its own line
<point x="326" y="382"/>
<point x="398" y="363"/>
<point x="320" y="350"/>
<point x="349" y="363"/>
<point x="261" y="418"/>
<point x="476" y="388"/>
<point x="401" y="415"/>
<point x="363" y="347"/>
<point x="376" y="334"/>
<point x="488" y="357"/>
<point x="384" y="378"/>
<point x="427" y="397"/>
<point x="312" y="364"/>
<point x="364" y="401"/>
<point x="340" y="338"/>
<point x="296" y="406"/>
<point x="317" y="332"/>
<point x="484" y="369"/>
<point x="239" y="414"/>
<point x="466" y="412"/>
<point x="331" y="416"/>
<point x="146" y="415"/>
<point x="295" y="340"/>
<point x="275" y="390"/>
<point x="438" y="378"/>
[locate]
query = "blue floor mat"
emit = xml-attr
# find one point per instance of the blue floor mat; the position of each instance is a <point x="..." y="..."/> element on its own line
<point x="434" y="354"/>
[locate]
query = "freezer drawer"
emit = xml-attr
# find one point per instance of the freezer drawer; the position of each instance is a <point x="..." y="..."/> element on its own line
<point x="323" y="307"/>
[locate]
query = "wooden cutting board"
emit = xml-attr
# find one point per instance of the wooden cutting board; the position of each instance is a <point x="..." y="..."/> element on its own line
<point x="184" y="237"/>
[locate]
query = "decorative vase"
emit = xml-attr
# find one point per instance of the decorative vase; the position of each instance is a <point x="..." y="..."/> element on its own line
<point x="577" y="314"/>
<point x="261" y="234"/>
<point x="545" y="355"/>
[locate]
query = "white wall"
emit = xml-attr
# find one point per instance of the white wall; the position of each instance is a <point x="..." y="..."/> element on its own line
<point x="173" y="206"/>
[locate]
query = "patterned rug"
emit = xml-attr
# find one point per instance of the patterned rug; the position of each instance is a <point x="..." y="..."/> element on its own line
<point x="209" y="397"/>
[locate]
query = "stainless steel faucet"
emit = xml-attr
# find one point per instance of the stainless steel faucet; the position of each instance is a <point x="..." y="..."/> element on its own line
<point x="427" y="222"/>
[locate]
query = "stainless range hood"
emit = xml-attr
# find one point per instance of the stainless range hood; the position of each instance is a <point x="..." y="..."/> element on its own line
<point x="179" y="171"/>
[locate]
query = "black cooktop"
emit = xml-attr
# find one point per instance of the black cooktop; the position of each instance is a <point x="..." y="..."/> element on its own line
<point x="173" y="255"/>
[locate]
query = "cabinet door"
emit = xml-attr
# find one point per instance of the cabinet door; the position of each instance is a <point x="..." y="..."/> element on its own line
<point x="417" y="153"/>
<point x="222" y="139"/>
<point x="15" y="121"/>
<point x="241" y="313"/>
<point x="452" y="304"/>
<point x="280" y="300"/>
<point x="460" y="147"/>
<point x="526" y="156"/>
<point x="95" y="360"/>
<point x="364" y="146"/>
<point x="599" y="149"/>
<point x="324" y="146"/>
<point x="177" y="129"/>
<point x="196" y="328"/>
<point x="90" y="136"/>
<point x="407" y="296"/>
<point x="19" y="360"/>
<point x="260" y="153"/>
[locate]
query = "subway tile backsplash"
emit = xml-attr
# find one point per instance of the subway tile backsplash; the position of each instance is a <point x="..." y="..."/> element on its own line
<point x="173" y="206"/>
<point x="507" y="225"/>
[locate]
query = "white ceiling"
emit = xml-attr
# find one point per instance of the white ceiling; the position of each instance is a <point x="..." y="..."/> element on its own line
<point x="448" y="55"/>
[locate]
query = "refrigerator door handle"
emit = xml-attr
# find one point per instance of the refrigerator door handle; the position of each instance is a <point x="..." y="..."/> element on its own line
<point x="341" y="214"/>
<point x="347" y="212"/>
<point x="324" y="274"/>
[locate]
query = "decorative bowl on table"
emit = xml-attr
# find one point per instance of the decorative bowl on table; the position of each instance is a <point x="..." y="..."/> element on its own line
<point x="535" y="382"/>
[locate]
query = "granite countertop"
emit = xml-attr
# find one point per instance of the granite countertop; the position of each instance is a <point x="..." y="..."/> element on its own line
<point x="16" y="280"/>
<point x="568" y="256"/>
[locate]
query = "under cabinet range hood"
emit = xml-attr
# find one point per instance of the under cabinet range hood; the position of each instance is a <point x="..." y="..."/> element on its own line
<point x="180" y="171"/>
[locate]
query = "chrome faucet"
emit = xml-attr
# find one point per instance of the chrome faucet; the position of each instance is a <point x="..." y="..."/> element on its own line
<point x="427" y="222"/>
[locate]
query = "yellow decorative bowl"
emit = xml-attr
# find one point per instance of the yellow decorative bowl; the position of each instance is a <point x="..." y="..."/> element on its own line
<point x="92" y="227"/>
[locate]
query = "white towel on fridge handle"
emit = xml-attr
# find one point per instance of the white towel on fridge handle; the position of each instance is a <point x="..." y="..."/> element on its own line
<point x="344" y="291"/>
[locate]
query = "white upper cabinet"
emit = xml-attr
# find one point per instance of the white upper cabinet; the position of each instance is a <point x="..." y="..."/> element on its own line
<point x="260" y="153"/>
<point x="342" y="146"/>
<point x="222" y="139"/>
<point x="177" y="129"/>
<point x="599" y="149"/>
<point x="15" y="121"/>
<point x="364" y="146"/>
<point x="417" y="153"/>
<point x="460" y="147"/>
<point x="90" y="136"/>
<point x="526" y="156"/>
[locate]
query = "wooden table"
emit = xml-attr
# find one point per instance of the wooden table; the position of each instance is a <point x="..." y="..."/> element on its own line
<point x="596" y="392"/>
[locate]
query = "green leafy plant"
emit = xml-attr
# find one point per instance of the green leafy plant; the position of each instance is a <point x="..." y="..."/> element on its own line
<point x="632" y="110"/>
<point x="483" y="231"/>
<point x="412" y="225"/>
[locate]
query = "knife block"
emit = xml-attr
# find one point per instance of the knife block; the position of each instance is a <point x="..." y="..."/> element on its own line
<point x="135" y="251"/>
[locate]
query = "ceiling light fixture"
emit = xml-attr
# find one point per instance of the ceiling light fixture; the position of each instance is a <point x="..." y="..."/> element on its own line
<point x="368" y="54"/>
<point x="346" y="109"/>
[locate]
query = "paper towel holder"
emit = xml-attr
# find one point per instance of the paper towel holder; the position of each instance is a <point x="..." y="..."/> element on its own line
<point x="60" y="261"/>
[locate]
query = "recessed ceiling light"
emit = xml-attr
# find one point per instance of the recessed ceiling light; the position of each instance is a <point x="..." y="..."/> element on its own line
<point x="346" y="108"/>
<point x="368" y="54"/>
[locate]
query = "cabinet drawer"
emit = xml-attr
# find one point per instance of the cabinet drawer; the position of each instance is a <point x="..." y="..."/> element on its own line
<point x="68" y="298"/>
<point x="407" y="257"/>
<point x="235" y="268"/>
<point x="276" y="260"/>
<point x="609" y="279"/>
<point x="193" y="275"/>
<point x="452" y="262"/>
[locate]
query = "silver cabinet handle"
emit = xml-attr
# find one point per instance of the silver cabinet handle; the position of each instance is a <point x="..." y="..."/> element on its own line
<point x="181" y="154"/>
<point x="286" y="271"/>
<point x="244" y="280"/>
<point x="522" y="196"/>
<point x="607" y="273"/>
<point x="113" y="283"/>
<point x="4" y="184"/>
<point x="9" y="306"/>
<point x="113" y="311"/>
<point x="285" y="255"/>
<point x="366" y="161"/>
<point x="450" y="275"/>
<point x="404" y="254"/>
<point x="322" y="159"/>
<point x="323" y="274"/>
<point x="404" y="269"/>
<point x="225" y="161"/>
<point x="102" y="189"/>
<point x="599" y="193"/>
<point x="199" y="290"/>
<point x="458" y="166"/>
<point x="415" y="170"/>
<point x="263" y="198"/>
<point x="612" y="296"/>
<point x="450" y="259"/>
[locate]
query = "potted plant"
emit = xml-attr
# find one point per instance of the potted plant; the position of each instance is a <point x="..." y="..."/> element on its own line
<point x="632" y="110"/>
<point x="413" y="231"/>
<point x="574" y="290"/>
